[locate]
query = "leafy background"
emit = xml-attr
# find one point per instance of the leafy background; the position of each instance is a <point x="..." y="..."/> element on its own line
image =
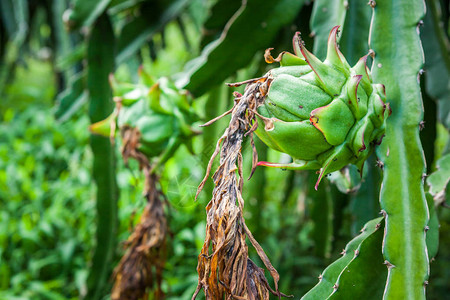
<point x="48" y="198"/>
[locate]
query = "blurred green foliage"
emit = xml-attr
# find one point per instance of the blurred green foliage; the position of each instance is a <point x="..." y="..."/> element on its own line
<point x="47" y="204"/>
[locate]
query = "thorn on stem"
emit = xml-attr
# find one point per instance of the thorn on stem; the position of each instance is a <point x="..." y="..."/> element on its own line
<point x="421" y="125"/>
<point x="379" y="164"/>
<point x="388" y="264"/>
<point x="346" y="4"/>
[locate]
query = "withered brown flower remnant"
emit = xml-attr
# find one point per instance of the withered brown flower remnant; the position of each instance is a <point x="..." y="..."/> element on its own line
<point x="226" y="272"/>
<point x="140" y="269"/>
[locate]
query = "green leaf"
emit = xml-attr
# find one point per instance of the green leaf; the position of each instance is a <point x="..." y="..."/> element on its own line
<point x="100" y="60"/>
<point x="252" y="28"/>
<point x="398" y="61"/>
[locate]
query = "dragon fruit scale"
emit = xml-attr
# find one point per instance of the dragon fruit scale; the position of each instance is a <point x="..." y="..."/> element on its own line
<point x="325" y="115"/>
<point x="159" y="114"/>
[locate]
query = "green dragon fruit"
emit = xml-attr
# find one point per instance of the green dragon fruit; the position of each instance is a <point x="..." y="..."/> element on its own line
<point x="160" y="112"/>
<point x="325" y="115"/>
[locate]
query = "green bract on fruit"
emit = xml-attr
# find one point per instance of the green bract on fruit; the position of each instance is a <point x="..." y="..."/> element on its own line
<point x="158" y="112"/>
<point x="325" y="115"/>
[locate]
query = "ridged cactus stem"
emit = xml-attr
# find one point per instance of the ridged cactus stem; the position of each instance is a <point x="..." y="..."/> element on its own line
<point x="397" y="63"/>
<point x="357" y="272"/>
<point x="100" y="63"/>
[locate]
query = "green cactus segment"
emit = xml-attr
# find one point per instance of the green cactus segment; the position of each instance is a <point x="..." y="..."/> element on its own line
<point x="403" y="201"/>
<point x="325" y="115"/>
<point x="359" y="256"/>
<point x="354" y="38"/>
<point x="365" y="276"/>
<point x="326" y="14"/>
<point x="100" y="62"/>
<point x="161" y="113"/>
<point x="84" y="13"/>
<point x="321" y="212"/>
<point x="364" y="204"/>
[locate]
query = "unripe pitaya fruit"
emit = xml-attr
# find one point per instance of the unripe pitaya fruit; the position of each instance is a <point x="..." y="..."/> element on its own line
<point x="325" y="115"/>
<point x="157" y="111"/>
